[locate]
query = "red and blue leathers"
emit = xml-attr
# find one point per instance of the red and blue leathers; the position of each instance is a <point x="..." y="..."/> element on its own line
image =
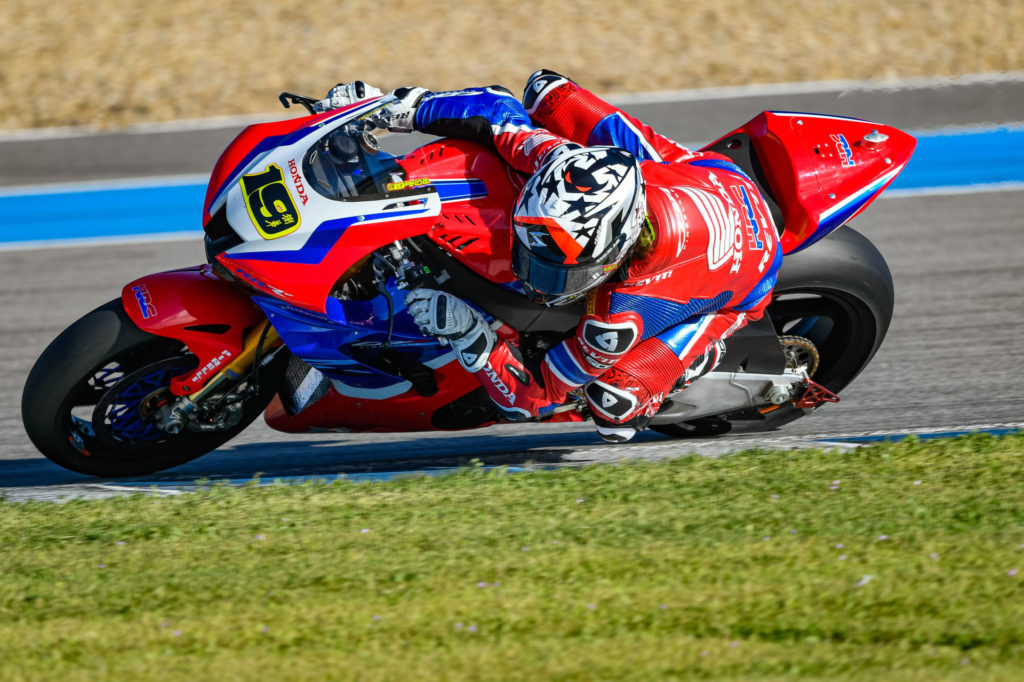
<point x="705" y="267"/>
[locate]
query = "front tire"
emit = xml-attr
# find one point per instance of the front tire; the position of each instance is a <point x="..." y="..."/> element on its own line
<point x="83" y="403"/>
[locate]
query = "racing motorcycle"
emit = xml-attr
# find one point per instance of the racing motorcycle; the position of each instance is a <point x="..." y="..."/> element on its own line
<point x="313" y="232"/>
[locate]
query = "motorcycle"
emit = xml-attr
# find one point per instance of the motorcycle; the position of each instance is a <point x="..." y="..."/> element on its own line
<point x="312" y="235"/>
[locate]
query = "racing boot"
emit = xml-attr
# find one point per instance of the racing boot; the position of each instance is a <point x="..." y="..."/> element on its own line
<point x="544" y="89"/>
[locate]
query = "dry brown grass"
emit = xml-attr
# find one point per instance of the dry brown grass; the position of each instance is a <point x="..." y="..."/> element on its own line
<point x="115" y="62"/>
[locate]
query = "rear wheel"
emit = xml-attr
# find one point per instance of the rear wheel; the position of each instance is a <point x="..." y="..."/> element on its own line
<point x="838" y="295"/>
<point x="92" y="400"/>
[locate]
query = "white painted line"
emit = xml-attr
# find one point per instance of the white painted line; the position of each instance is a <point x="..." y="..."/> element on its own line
<point x="813" y="87"/>
<point x="650" y="97"/>
<point x="981" y="188"/>
<point x="196" y="235"/>
<point x="157" y="181"/>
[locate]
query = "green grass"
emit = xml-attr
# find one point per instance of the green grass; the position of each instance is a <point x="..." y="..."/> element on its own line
<point x="749" y="567"/>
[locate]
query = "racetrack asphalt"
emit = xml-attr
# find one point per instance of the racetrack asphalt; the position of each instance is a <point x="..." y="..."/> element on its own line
<point x="954" y="356"/>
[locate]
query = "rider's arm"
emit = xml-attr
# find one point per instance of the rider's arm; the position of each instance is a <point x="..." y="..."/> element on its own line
<point x="492" y="117"/>
<point x="583" y="117"/>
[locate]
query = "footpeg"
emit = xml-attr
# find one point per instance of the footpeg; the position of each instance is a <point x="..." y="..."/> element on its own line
<point x="814" y="394"/>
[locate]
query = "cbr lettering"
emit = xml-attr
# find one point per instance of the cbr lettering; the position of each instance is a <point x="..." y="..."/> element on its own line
<point x="145" y="301"/>
<point x="269" y="203"/>
<point x="210" y="366"/>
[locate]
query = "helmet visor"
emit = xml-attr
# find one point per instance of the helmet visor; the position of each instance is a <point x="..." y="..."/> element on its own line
<point x="553" y="284"/>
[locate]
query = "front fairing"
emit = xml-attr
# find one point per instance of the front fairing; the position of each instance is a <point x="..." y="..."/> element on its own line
<point x="349" y="344"/>
<point x="294" y="240"/>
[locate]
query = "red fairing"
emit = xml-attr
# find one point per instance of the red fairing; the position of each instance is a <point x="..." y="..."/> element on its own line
<point x="249" y="143"/>
<point x="477" y="230"/>
<point x="409" y="411"/>
<point x="308" y="285"/>
<point x="824" y="170"/>
<point x="168" y="303"/>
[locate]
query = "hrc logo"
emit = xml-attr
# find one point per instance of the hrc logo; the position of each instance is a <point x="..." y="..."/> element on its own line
<point x="145" y="301"/>
<point x="843" y="147"/>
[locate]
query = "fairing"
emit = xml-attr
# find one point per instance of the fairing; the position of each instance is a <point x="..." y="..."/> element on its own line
<point x="823" y="170"/>
<point x="194" y="306"/>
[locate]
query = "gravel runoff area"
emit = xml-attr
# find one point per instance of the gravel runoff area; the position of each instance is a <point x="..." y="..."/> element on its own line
<point x="111" y="63"/>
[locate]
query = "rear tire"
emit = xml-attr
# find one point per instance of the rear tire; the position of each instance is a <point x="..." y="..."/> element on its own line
<point x="839" y="294"/>
<point x="102" y="358"/>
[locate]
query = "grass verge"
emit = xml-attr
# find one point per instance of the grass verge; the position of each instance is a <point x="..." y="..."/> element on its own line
<point x="894" y="562"/>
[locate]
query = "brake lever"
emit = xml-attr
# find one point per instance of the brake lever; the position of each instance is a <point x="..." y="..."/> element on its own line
<point x="290" y="98"/>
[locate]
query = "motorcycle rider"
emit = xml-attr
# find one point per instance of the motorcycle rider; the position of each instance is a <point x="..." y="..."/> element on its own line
<point x="673" y="249"/>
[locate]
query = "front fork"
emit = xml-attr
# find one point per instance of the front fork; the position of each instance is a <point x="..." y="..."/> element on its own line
<point x="220" y="325"/>
<point x="183" y="411"/>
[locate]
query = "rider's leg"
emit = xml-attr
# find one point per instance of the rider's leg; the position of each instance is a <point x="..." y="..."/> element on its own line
<point x="623" y="399"/>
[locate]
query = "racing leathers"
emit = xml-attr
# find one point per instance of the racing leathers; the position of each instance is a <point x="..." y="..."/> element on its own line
<point x="704" y="266"/>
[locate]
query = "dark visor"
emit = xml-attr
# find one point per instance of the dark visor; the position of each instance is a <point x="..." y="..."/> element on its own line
<point x="544" y="281"/>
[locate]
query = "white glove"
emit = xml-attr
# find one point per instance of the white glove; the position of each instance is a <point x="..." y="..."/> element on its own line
<point x="343" y="94"/>
<point x="399" y="116"/>
<point x="454" y="322"/>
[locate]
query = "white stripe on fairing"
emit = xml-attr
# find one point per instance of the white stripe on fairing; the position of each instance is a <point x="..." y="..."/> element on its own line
<point x="859" y="194"/>
<point x="801" y="114"/>
<point x="371" y="393"/>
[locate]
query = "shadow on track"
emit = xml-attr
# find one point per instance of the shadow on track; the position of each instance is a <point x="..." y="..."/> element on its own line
<point x="334" y="455"/>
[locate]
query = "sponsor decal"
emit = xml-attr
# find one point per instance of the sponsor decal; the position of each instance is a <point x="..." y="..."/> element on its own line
<point x="725" y="237"/>
<point x="145" y="300"/>
<point x="406" y="184"/>
<point x="269" y="203"/>
<point x="297" y="179"/>
<point x="654" y="278"/>
<point x="591" y="302"/>
<point x="499" y="384"/>
<point x="754" y="241"/>
<point x="213" y="364"/>
<point x="603" y="337"/>
<point x="595" y="359"/>
<point x="844" y="149"/>
<point x="758" y="238"/>
<point x="611" y="402"/>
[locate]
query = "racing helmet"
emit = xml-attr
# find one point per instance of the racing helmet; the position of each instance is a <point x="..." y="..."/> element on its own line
<point x="574" y="222"/>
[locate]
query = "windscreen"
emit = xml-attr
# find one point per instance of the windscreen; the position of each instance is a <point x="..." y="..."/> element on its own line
<point x="339" y="167"/>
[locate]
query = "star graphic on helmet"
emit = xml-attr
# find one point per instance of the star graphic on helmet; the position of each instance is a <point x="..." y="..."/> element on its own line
<point x="550" y="185"/>
<point x="578" y="205"/>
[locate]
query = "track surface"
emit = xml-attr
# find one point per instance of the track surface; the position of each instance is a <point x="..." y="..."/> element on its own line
<point x="953" y="357"/>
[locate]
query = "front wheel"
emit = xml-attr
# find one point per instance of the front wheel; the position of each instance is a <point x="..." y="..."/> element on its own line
<point x="91" y="401"/>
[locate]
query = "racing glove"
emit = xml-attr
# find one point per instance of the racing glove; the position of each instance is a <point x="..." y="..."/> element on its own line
<point x="454" y="322"/>
<point x="398" y="116"/>
<point x="343" y="94"/>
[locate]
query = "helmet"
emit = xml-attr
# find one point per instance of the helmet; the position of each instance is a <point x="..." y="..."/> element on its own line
<point x="575" y="221"/>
